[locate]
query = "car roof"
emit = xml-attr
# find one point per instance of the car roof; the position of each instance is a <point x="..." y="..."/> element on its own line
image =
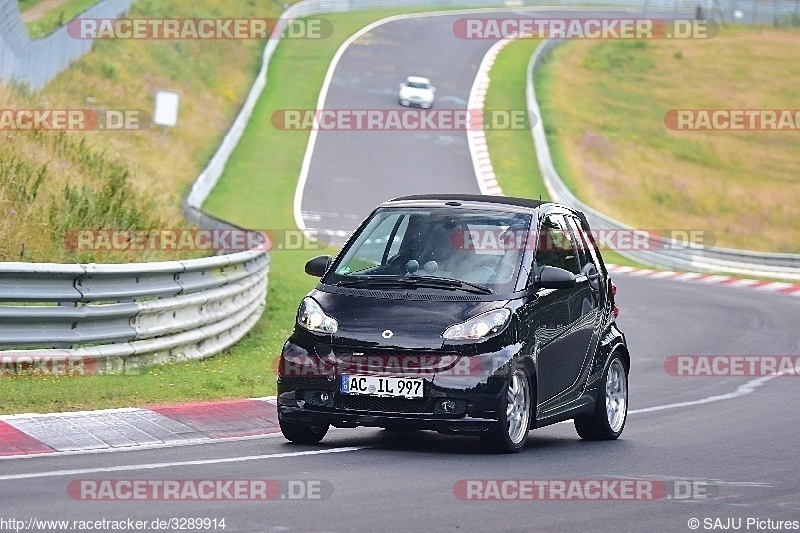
<point x="486" y="199"/>
<point x="479" y="198"/>
<point x="418" y="79"/>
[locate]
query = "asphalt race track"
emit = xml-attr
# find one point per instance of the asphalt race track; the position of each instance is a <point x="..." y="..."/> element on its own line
<point x="733" y="439"/>
<point x="742" y="449"/>
<point x="351" y="172"/>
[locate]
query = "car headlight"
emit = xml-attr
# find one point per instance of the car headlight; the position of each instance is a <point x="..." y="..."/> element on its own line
<point x="313" y="318"/>
<point x="479" y="326"/>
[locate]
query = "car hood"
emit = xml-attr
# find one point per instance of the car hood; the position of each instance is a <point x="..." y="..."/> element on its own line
<point x="397" y="319"/>
<point x="422" y="94"/>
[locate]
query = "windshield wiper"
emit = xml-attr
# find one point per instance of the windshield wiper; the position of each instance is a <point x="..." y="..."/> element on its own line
<point x="377" y="282"/>
<point x="413" y="282"/>
<point x="449" y="283"/>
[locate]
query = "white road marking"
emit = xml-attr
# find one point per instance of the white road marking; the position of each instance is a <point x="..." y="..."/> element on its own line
<point x="152" y="466"/>
<point x="742" y="390"/>
<point x="323" y="93"/>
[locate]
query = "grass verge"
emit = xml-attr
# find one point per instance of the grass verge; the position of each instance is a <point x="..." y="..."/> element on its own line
<point x="511" y="150"/>
<point x="52" y="182"/>
<point x="25" y="5"/>
<point x="256" y="191"/>
<point x="604" y="104"/>
<point x="52" y="19"/>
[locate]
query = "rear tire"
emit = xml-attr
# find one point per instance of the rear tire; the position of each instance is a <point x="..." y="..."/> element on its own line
<point x="302" y="434"/>
<point x="510" y="433"/>
<point x="611" y="409"/>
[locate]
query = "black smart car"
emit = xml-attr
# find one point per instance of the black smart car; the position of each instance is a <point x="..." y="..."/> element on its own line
<point x="463" y="314"/>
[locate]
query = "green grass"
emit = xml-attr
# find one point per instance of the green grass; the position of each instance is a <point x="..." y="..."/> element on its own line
<point x="56" y="17"/>
<point x="604" y="104"/>
<point x="27" y="4"/>
<point x="52" y="182"/>
<point x="511" y="150"/>
<point x="258" y="185"/>
<point x="256" y="191"/>
<point x="112" y="201"/>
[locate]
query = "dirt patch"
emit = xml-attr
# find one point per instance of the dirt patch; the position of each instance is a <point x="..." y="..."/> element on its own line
<point x="40" y="10"/>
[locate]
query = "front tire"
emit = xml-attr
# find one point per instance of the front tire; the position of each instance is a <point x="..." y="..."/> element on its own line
<point x="510" y="433"/>
<point x="611" y="409"/>
<point x="302" y="434"/>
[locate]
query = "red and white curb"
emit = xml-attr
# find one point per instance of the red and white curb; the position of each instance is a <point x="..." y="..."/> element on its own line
<point x="130" y="428"/>
<point x="775" y="287"/>
<point x="476" y="137"/>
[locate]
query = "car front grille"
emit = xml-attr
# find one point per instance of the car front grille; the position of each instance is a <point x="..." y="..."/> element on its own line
<point x="383" y="405"/>
<point x="468" y="428"/>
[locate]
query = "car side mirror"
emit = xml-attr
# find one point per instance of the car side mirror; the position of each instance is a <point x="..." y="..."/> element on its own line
<point x="433" y="89"/>
<point x="555" y="278"/>
<point x="402" y="85"/>
<point x="318" y="265"/>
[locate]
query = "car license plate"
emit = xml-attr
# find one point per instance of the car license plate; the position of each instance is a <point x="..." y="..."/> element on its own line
<point x="382" y="386"/>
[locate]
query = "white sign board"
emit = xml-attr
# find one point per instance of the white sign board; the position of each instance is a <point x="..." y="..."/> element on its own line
<point x="166" y="111"/>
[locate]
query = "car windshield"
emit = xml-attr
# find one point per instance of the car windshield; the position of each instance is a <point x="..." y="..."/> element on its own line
<point x="480" y="249"/>
<point x="418" y="85"/>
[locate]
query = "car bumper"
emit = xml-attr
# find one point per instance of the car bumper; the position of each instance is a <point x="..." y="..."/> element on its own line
<point x="297" y="411"/>
<point x="309" y="393"/>
<point x="416" y="103"/>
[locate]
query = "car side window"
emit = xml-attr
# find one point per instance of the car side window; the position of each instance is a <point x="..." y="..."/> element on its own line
<point x="589" y="262"/>
<point x="377" y="244"/>
<point x="585" y="256"/>
<point x="588" y="247"/>
<point x="555" y="246"/>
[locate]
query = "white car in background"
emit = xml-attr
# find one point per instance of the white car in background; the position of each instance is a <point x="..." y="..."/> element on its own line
<point x="417" y="92"/>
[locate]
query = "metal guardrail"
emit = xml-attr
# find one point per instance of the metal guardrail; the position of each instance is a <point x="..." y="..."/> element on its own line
<point x="661" y="253"/>
<point x="118" y="316"/>
<point x="37" y="61"/>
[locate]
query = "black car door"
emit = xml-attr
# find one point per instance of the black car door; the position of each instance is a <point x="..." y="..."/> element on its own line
<point x="587" y="306"/>
<point x="562" y="321"/>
